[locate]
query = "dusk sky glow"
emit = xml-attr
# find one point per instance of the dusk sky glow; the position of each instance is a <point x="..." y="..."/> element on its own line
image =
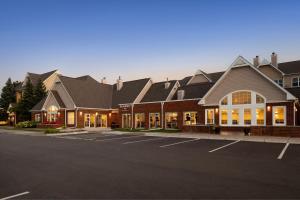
<point x="137" y="39"/>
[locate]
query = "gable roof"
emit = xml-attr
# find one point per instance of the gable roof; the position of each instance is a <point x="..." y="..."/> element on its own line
<point x="242" y="62"/>
<point x="194" y="91"/>
<point x="87" y="92"/>
<point x="39" y="105"/>
<point x="185" y="80"/>
<point x="290" y="67"/>
<point x="34" y="78"/>
<point x="58" y="99"/>
<point x="129" y="91"/>
<point x="158" y="92"/>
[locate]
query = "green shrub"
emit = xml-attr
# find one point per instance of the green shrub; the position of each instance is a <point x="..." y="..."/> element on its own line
<point x="27" y="124"/>
<point x="51" y="131"/>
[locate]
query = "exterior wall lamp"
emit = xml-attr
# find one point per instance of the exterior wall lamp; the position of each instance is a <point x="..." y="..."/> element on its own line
<point x="217" y="110"/>
<point x="80" y="113"/>
<point x="269" y="108"/>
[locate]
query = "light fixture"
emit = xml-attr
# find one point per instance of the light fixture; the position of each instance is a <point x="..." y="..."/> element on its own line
<point x="109" y="114"/>
<point x="58" y="113"/>
<point x="80" y="113"/>
<point x="269" y="108"/>
<point x="217" y="110"/>
<point x="96" y="113"/>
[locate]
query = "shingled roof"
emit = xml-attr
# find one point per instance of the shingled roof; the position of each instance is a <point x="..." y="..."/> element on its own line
<point x="194" y="91"/>
<point x="87" y="92"/>
<point x="290" y="67"/>
<point x="39" y="106"/>
<point x="34" y="78"/>
<point x="129" y="91"/>
<point x="158" y="92"/>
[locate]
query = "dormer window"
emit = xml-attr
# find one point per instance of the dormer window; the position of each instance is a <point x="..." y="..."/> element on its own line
<point x="180" y="94"/>
<point x="279" y="82"/>
<point x="296" y="82"/>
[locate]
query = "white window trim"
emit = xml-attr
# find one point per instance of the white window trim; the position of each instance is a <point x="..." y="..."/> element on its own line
<point x="135" y="122"/>
<point x="183" y="118"/>
<point x="35" y="117"/>
<point x="130" y="122"/>
<point x="213" y="116"/>
<point x="160" y="122"/>
<point x="253" y="106"/>
<point x="284" y="114"/>
<point x="298" y="77"/>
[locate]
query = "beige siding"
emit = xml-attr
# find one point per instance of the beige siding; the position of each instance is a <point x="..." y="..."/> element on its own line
<point x="287" y="80"/>
<point x="271" y="72"/>
<point x="50" y="81"/>
<point x="65" y="97"/>
<point x="245" y="78"/>
<point x="50" y="102"/>
<point x="200" y="78"/>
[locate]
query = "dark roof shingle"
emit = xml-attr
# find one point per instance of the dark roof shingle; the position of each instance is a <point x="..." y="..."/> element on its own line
<point x="158" y="92"/>
<point x="194" y="91"/>
<point x="290" y="67"/>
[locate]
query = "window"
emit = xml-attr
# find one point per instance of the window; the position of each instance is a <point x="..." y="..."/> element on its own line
<point x="37" y="117"/>
<point x="247" y="116"/>
<point x="260" y="116"/>
<point x="52" y="114"/>
<point x="154" y="120"/>
<point x="224" y="117"/>
<point x="190" y="118"/>
<point x="140" y="120"/>
<point x="171" y="120"/>
<point x="224" y="101"/>
<point x="296" y="82"/>
<point x="71" y="118"/>
<point x="279" y="115"/>
<point x="209" y="116"/>
<point x="243" y="97"/>
<point x="235" y="117"/>
<point x="259" y="99"/>
<point x="279" y="82"/>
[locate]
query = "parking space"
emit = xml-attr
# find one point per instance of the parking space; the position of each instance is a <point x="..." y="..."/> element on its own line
<point x="135" y="164"/>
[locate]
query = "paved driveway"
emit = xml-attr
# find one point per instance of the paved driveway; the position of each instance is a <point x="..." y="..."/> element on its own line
<point x="135" y="166"/>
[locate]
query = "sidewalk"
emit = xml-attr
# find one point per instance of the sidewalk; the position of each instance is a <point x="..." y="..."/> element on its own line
<point x="268" y="139"/>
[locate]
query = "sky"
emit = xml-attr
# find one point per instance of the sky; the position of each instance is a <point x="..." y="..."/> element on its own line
<point x="142" y="38"/>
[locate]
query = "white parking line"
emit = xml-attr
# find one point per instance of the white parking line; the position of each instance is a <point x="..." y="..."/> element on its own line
<point x="167" y="145"/>
<point x="136" y="141"/>
<point x="16" y="195"/>
<point x="224" y="146"/>
<point x="119" y="138"/>
<point x="283" y="151"/>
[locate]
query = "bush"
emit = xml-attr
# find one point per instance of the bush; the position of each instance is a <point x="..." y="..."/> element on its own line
<point x="27" y="124"/>
<point x="51" y="131"/>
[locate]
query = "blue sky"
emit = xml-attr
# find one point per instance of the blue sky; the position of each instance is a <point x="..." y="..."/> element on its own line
<point x="136" y="39"/>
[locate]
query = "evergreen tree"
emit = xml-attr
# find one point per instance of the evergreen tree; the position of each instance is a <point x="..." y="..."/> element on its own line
<point x="27" y="102"/>
<point x="39" y="92"/>
<point x="8" y="95"/>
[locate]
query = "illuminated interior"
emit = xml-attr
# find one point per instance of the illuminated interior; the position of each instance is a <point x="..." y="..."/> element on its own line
<point x="224" y="117"/>
<point x="139" y="120"/>
<point x="210" y="116"/>
<point x="126" y="120"/>
<point x="235" y="116"/>
<point x="171" y="120"/>
<point x="190" y="118"/>
<point x="279" y="117"/>
<point x="154" y="120"/>
<point x="52" y="113"/>
<point x="260" y="116"/>
<point x="247" y="116"/>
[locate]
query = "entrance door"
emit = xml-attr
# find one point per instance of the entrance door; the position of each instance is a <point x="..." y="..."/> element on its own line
<point x="101" y="121"/>
<point x="87" y="120"/>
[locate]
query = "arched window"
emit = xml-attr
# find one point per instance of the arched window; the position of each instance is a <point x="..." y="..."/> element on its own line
<point x="242" y="108"/>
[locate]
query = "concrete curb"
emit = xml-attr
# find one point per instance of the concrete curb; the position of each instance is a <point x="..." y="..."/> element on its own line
<point x="64" y="134"/>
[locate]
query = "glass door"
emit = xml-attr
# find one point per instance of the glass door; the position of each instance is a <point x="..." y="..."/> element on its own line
<point x="87" y="120"/>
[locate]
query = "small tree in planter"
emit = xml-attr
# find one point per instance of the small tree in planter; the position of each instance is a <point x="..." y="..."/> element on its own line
<point x="216" y="129"/>
<point x="247" y="131"/>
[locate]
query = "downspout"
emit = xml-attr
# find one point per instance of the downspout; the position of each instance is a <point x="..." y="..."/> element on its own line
<point x="162" y="116"/>
<point x="132" y="118"/>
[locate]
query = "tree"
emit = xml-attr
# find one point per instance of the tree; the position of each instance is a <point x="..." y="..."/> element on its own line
<point x="39" y="92"/>
<point x="27" y="102"/>
<point x="8" y="95"/>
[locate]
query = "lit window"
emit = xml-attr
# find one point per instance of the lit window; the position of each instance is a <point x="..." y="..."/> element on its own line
<point x="279" y="82"/>
<point x="235" y="116"/>
<point x="190" y="118"/>
<point x="52" y="114"/>
<point x="209" y="113"/>
<point x="260" y="116"/>
<point x="243" y="97"/>
<point x="139" y="120"/>
<point x="37" y="117"/>
<point x="259" y="99"/>
<point x="279" y="115"/>
<point x="71" y="118"/>
<point x="171" y="120"/>
<point x="224" y="101"/>
<point x="126" y="120"/>
<point x="247" y="116"/>
<point x="224" y="117"/>
<point x="296" y="82"/>
<point x="154" y="120"/>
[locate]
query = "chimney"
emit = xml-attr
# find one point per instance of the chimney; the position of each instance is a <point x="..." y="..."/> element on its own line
<point x="119" y="83"/>
<point x="256" y="61"/>
<point x="274" y="59"/>
<point x="167" y="84"/>
<point x="180" y="94"/>
<point x="103" y="80"/>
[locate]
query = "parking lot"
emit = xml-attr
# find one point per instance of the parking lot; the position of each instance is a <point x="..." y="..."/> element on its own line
<point x="136" y="166"/>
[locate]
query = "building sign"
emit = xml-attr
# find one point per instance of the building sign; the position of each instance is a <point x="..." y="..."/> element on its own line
<point x="125" y="108"/>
